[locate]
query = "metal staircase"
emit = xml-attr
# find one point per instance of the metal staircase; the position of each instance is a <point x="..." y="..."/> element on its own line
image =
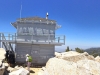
<point x="7" y="45"/>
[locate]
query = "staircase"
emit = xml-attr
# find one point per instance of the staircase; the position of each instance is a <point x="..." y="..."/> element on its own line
<point x="7" y="45"/>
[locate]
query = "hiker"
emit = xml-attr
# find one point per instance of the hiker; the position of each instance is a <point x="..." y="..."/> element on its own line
<point x="28" y="60"/>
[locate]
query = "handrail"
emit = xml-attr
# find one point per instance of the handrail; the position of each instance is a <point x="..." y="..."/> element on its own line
<point x="3" y="36"/>
<point x="36" y="38"/>
<point x="6" y="44"/>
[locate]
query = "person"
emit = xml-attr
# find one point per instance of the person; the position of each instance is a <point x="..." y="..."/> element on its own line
<point x="7" y="56"/>
<point x="11" y="59"/>
<point x="28" y="60"/>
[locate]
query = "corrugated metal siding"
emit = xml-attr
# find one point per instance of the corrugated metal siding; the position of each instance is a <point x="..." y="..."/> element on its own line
<point x="35" y="53"/>
<point x="46" y="52"/>
<point x="22" y="50"/>
<point x="39" y="53"/>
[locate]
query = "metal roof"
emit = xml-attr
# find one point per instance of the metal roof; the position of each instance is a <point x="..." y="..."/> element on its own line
<point x="32" y="20"/>
<point x="35" y="19"/>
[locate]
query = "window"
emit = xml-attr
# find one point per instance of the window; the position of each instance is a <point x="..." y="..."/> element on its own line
<point x="39" y="31"/>
<point x="51" y="32"/>
<point x="30" y="30"/>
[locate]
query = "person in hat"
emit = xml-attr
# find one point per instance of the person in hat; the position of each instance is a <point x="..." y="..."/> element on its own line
<point x="28" y="60"/>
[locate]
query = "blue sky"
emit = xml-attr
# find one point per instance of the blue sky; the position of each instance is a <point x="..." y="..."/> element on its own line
<point x="80" y="19"/>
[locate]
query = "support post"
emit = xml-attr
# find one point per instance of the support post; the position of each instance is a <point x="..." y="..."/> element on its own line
<point x="15" y="37"/>
<point x="4" y="45"/>
<point x="32" y="38"/>
<point x="58" y="39"/>
<point x="11" y="46"/>
<point x="48" y="38"/>
<point x="12" y="38"/>
<point x="0" y="40"/>
<point x="8" y="39"/>
<point x="64" y="39"/>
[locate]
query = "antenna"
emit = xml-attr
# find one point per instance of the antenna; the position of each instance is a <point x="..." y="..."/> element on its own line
<point x="21" y="11"/>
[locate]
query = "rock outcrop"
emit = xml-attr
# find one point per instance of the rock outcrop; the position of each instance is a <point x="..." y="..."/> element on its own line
<point x="2" y="57"/>
<point x="2" y="53"/>
<point x="72" y="63"/>
<point x="74" y="56"/>
<point x="21" y="71"/>
<point x="13" y="71"/>
<point x="97" y="59"/>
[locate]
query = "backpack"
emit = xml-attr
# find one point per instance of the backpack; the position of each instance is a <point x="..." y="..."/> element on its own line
<point x="30" y="59"/>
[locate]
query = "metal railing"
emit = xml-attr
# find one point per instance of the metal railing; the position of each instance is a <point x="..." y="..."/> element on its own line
<point x="5" y="44"/>
<point x="46" y="38"/>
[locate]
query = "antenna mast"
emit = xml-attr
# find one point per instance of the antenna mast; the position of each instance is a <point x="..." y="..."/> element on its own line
<point x="20" y="11"/>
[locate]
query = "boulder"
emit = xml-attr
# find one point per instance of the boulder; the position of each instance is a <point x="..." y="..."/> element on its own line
<point x="74" y="56"/>
<point x="0" y="62"/>
<point x="2" y="69"/>
<point x="97" y="59"/>
<point x="21" y="71"/>
<point x="57" y="66"/>
<point x="71" y="63"/>
<point x="93" y="67"/>
<point x="6" y="64"/>
<point x="10" y="69"/>
<point x="2" y="53"/>
<point x="57" y="54"/>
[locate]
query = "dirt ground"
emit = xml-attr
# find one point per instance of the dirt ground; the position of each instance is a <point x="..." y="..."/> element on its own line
<point x="34" y="71"/>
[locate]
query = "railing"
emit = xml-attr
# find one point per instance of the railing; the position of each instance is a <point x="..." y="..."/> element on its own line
<point x="45" y="38"/>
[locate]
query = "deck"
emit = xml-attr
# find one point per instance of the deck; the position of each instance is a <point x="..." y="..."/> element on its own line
<point x="13" y="38"/>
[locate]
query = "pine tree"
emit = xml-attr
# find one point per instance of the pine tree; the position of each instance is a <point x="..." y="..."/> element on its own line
<point x="67" y="49"/>
<point x="79" y="50"/>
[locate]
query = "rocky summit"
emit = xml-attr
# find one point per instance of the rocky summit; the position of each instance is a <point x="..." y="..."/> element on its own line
<point x="4" y="67"/>
<point x="72" y="63"/>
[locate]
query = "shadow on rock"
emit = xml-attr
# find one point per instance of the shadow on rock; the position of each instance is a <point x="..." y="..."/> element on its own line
<point x="31" y="71"/>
